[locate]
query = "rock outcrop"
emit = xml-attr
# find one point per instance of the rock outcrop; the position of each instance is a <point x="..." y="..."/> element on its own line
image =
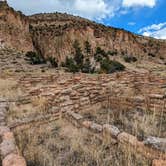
<point x="14" y="29"/>
<point x="53" y="35"/>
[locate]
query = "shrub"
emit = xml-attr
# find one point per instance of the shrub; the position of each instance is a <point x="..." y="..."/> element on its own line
<point x="98" y="58"/>
<point x="161" y="57"/>
<point x="100" y="51"/>
<point x="87" y="47"/>
<point x="87" y="66"/>
<point x="63" y="64"/>
<point x="53" y="62"/>
<point x="112" y="53"/>
<point x="71" y="66"/>
<point x="130" y="59"/>
<point x="35" y="58"/>
<point x="111" y="66"/>
<point x="78" y="57"/>
<point x="152" y="55"/>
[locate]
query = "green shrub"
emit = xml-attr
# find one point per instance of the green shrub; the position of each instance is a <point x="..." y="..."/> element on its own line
<point x="130" y="59"/>
<point x="151" y="54"/>
<point x="98" y="58"/>
<point x="78" y="57"/>
<point x="87" y="47"/>
<point x="111" y="66"/>
<point x="53" y="61"/>
<point x="100" y="51"/>
<point x="112" y="53"/>
<point x="86" y="68"/>
<point x="63" y="64"/>
<point x="35" y="58"/>
<point x="162" y="58"/>
<point x="71" y="65"/>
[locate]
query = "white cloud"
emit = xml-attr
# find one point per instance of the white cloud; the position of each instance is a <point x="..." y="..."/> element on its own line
<point x="139" y="3"/>
<point x="156" y="30"/>
<point x="92" y="9"/>
<point x="131" y="23"/>
<point x="153" y="27"/>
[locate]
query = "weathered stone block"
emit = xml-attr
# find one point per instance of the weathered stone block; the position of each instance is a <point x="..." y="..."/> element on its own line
<point x="7" y="147"/>
<point x="3" y="129"/>
<point x="13" y="160"/>
<point x="96" y="127"/>
<point x="128" y="139"/>
<point x="74" y="115"/>
<point x="8" y="136"/>
<point x="157" y="143"/>
<point x="159" y="163"/>
<point x="111" y="130"/>
<point x="86" y="124"/>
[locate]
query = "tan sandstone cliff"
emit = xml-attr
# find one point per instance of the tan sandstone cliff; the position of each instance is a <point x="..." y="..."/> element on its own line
<point x="14" y="29"/>
<point x="54" y="34"/>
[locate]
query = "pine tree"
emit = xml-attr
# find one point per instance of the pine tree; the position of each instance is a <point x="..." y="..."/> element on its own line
<point x="87" y="48"/>
<point x="78" y="57"/>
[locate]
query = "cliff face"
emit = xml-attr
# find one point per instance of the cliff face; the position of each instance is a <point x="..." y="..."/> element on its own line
<point x="14" y="29"/>
<point x="54" y="35"/>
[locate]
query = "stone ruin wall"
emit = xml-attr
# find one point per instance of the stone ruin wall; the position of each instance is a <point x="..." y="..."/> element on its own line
<point x="81" y="92"/>
<point x="9" y="152"/>
<point x="68" y="94"/>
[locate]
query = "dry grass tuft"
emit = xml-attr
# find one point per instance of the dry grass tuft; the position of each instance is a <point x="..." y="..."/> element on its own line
<point x="9" y="89"/>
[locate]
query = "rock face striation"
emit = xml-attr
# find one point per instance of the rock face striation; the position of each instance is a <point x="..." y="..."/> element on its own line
<point x="14" y="29"/>
<point x="54" y="34"/>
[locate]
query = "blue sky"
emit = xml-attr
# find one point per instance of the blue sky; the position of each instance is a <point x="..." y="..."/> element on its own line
<point x="146" y="17"/>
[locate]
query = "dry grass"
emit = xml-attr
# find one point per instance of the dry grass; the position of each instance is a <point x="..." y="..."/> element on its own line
<point x="40" y="102"/>
<point x="61" y="144"/>
<point x="9" y="89"/>
<point x="136" y="122"/>
<point x="37" y="107"/>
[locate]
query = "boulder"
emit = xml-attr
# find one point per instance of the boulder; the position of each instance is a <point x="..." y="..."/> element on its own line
<point x="86" y="124"/>
<point x="8" y="136"/>
<point x="113" y="131"/>
<point x="3" y="129"/>
<point x="96" y="127"/>
<point x="156" y="143"/>
<point x="129" y="139"/>
<point x="7" y="147"/>
<point x="13" y="160"/>
<point x="74" y="115"/>
<point x="159" y="163"/>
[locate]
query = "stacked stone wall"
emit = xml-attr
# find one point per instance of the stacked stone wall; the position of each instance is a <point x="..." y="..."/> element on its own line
<point x="9" y="153"/>
<point x="66" y="93"/>
<point x="152" y="148"/>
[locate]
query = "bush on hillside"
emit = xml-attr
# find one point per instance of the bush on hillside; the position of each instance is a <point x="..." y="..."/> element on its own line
<point x="100" y="51"/>
<point x="111" y="66"/>
<point x="112" y="53"/>
<point x="78" y="57"/>
<point x="35" y="58"/>
<point x="71" y="65"/>
<point x="130" y="59"/>
<point x="151" y="54"/>
<point x="53" y="61"/>
<point x="86" y="68"/>
<point x="87" y="46"/>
